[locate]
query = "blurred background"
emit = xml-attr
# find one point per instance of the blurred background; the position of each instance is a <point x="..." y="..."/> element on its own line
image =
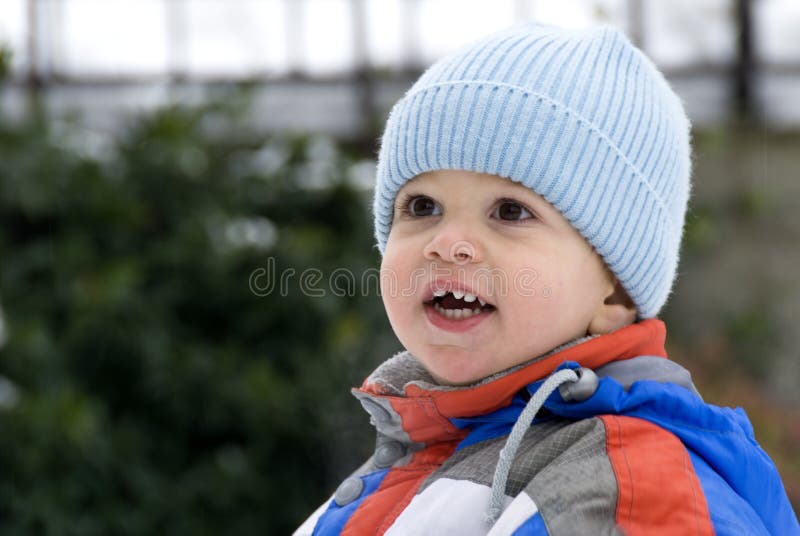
<point x="164" y="162"/>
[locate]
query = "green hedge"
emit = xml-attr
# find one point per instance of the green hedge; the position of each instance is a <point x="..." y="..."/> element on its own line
<point x="147" y="386"/>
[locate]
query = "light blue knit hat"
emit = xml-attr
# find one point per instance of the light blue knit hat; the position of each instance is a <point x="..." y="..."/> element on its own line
<point x="581" y="117"/>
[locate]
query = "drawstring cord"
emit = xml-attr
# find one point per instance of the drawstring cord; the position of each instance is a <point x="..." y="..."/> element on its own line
<point x="555" y="381"/>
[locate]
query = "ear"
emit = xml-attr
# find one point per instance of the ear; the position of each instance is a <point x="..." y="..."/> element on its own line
<point x="616" y="311"/>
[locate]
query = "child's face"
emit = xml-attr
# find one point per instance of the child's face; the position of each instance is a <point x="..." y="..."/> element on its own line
<point x="512" y="248"/>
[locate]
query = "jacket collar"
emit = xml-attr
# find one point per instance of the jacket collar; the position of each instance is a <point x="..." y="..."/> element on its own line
<point x="406" y="404"/>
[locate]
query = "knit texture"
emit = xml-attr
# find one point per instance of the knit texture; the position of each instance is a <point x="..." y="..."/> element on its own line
<point x="581" y="117"/>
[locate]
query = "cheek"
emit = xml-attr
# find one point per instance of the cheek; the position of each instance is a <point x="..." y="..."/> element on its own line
<point x="390" y="288"/>
<point x="399" y="285"/>
<point x="391" y="267"/>
<point x="569" y="294"/>
<point x="564" y="280"/>
<point x="529" y="312"/>
<point x="535" y="300"/>
<point x="538" y="284"/>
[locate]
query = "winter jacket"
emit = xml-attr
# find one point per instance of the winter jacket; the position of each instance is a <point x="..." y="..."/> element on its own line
<point x="638" y="453"/>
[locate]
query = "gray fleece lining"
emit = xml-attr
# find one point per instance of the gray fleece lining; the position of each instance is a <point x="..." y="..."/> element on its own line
<point x="648" y="367"/>
<point x="403" y="369"/>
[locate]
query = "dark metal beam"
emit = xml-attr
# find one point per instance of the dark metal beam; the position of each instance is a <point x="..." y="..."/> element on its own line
<point x="743" y="71"/>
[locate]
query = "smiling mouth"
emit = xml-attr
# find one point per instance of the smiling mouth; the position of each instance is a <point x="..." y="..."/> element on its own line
<point x="459" y="306"/>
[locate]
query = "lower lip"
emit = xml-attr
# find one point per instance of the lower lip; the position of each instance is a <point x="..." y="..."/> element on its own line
<point x="460" y="325"/>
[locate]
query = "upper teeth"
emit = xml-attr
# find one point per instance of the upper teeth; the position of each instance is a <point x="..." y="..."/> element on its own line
<point x="459" y="294"/>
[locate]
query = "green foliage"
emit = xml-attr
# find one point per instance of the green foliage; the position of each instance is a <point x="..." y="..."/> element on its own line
<point x="149" y="388"/>
<point x="749" y="332"/>
<point x="700" y="229"/>
<point x="5" y="61"/>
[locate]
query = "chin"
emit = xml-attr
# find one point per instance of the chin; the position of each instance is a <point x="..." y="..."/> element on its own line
<point x="456" y="376"/>
<point x="453" y="365"/>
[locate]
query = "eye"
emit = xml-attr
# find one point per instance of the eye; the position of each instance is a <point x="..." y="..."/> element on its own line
<point x="420" y="206"/>
<point x="511" y="211"/>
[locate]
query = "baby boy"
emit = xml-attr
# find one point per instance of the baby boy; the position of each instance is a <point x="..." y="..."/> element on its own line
<point x="529" y="206"/>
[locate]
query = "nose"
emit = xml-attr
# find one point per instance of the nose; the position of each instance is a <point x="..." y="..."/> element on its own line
<point x="454" y="242"/>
